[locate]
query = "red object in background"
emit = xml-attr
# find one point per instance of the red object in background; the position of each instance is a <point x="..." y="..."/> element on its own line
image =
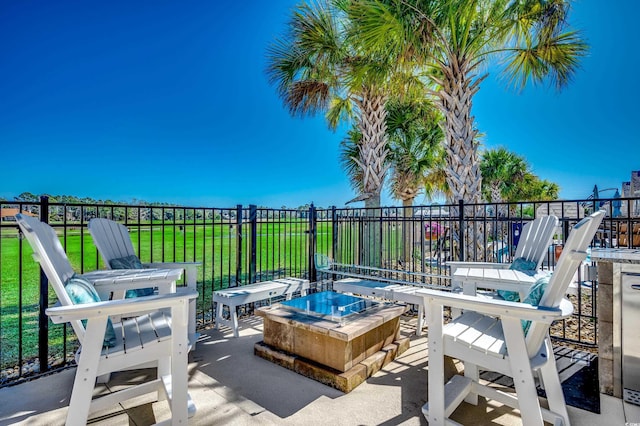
<point x="432" y="230"/>
<point x="558" y="251"/>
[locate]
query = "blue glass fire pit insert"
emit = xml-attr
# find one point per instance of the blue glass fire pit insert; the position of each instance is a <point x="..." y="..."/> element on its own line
<point x="329" y="304"/>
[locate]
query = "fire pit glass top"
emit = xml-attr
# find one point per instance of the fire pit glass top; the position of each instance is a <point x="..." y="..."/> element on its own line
<point x="330" y="305"/>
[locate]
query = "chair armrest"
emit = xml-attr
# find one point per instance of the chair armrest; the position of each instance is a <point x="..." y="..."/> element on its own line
<point x="132" y="276"/>
<point x="190" y="269"/>
<point x="496" y="307"/>
<point x="486" y="265"/>
<point x="505" y="279"/>
<point x="62" y="314"/>
<point x="171" y="265"/>
<point x="119" y="280"/>
<point x="455" y="265"/>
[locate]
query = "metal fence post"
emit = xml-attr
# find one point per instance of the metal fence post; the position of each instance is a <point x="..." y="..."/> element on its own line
<point x="239" y="242"/>
<point x="312" y="242"/>
<point x="461" y="228"/>
<point x="253" y="219"/>
<point x="43" y="320"/>
<point x="334" y="233"/>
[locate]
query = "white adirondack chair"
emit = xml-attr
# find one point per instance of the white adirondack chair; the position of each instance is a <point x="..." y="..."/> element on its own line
<point x="113" y="241"/>
<point x="158" y="339"/>
<point x="534" y="242"/>
<point x="490" y="336"/>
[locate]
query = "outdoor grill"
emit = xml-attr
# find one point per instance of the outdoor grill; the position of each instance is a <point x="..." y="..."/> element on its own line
<point x="630" y="337"/>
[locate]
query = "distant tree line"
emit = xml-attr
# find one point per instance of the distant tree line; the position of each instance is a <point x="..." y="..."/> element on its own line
<point x="74" y="209"/>
<point x="72" y="199"/>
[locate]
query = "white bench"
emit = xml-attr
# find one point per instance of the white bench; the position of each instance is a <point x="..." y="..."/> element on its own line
<point x="236" y="296"/>
<point x="395" y="292"/>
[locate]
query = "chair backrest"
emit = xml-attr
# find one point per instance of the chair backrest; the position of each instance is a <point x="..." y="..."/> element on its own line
<point x="111" y="239"/>
<point x="536" y="238"/>
<point x="573" y="253"/>
<point x="49" y="253"/>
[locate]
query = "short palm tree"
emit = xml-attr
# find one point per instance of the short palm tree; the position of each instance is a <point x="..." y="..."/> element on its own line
<point x="415" y="154"/>
<point x="534" y="189"/>
<point x="501" y="171"/>
<point x="415" y="142"/>
<point x="506" y="176"/>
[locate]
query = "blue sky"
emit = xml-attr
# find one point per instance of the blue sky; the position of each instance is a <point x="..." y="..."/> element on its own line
<point x="168" y="101"/>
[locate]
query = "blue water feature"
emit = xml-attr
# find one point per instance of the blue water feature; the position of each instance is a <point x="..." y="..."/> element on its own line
<point x="329" y="304"/>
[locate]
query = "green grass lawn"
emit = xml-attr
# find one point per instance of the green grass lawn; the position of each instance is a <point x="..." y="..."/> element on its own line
<point x="281" y="250"/>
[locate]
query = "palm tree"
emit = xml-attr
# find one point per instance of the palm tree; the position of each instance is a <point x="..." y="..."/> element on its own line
<point x="319" y="66"/>
<point x="534" y="189"/>
<point x="506" y="176"/>
<point x="501" y="171"/>
<point x="415" y="142"/>
<point x="454" y="39"/>
<point x="415" y="155"/>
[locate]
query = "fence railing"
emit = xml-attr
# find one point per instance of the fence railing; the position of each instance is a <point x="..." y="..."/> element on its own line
<point x="246" y="244"/>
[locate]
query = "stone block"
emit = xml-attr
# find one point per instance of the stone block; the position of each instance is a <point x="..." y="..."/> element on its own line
<point x="605" y="273"/>
<point x="605" y="303"/>
<point x="349" y="380"/>
<point x="277" y="357"/>
<point x="605" y="372"/>
<point x="375" y="362"/>
<point x="605" y="340"/>
<point x="278" y="335"/>
<point x="343" y="381"/>
<point x="403" y="344"/>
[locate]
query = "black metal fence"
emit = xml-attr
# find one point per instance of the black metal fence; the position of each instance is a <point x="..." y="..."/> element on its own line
<point x="242" y="245"/>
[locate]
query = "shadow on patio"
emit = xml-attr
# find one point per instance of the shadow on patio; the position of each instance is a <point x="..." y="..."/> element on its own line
<point x="230" y="385"/>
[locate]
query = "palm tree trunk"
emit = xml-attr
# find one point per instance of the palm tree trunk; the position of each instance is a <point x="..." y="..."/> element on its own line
<point x="463" y="167"/>
<point x="372" y="158"/>
<point x="371" y="254"/>
<point x="408" y="230"/>
<point x="373" y="149"/>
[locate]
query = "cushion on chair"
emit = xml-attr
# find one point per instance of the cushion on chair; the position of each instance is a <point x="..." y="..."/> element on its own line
<point x="534" y="297"/>
<point x="520" y="264"/>
<point x="127" y="262"/>
<point x="321" y="261"/>
<point x="81" y="291"/>
<point x="131" y="262"/>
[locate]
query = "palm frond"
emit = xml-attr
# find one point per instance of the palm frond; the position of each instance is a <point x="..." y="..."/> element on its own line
<point x="307" y="97"/>
<point x="555" y="60"/>
<point x="340" y="110"/>
<point x="349" y="151"/>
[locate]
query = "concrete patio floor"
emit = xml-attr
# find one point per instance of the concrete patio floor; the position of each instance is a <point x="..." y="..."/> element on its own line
<point x="230" y="385"/>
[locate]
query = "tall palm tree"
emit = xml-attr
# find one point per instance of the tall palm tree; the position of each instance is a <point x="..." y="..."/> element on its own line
<point x="454" y="40"/>
<point x="319" y="66"/>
